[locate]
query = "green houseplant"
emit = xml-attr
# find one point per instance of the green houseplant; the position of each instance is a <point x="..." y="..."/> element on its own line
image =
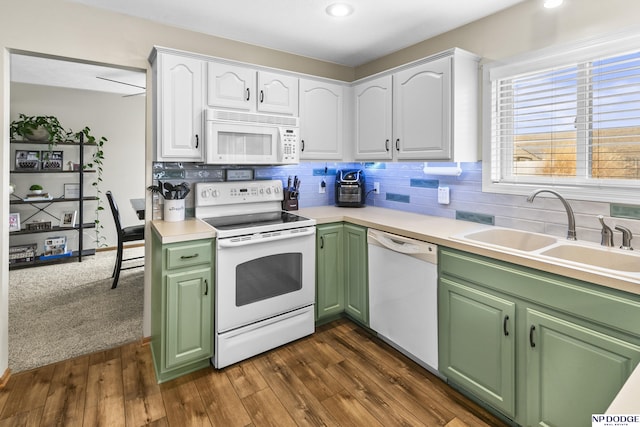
<point x="39" y="128"/>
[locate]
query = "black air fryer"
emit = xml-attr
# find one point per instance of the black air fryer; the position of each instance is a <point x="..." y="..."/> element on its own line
<point x="350" y="188"/>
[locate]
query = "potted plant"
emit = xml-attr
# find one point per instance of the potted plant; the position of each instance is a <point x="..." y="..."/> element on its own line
<point x="39" y="128"/>
<point x="36" y="189"/>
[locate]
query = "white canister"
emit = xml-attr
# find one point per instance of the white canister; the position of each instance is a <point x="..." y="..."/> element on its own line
<point x="174" y="210"/>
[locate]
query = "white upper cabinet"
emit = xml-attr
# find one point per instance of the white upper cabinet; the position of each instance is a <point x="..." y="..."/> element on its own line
<point x="427" y="111"/>
<point x="231" y="86"/>
<point x="246" y="89"/>
<point x="178" y="107"/>
<point x="321" y="120"/>
<point x="373" y="113"/>
<point x="421" y="111"/>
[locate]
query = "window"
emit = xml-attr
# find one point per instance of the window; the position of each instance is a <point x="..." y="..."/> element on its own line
<point x="567" y="118"/>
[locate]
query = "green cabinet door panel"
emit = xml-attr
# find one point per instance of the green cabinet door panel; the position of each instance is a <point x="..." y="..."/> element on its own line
<point x="329" y="270"/>
<point x="189" y="326"/>
<point x="356" y="273"/>
<point x="572" y="371"/>
<point x="477" y="343"/>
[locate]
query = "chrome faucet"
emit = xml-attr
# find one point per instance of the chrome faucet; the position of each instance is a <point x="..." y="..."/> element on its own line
<point x="607" y="233"/>
<point x="571" y="232"/>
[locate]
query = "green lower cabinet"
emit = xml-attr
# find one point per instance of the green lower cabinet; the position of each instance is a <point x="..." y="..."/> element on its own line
<point x="182" y="295"/>
<point x="189" y="328"/>
<point x="342" y="284"/>
<point x="542" y="349"/>
<point x="356" y="273"/>
<point x="329" y="271"/>
<point x="566" y="359"/>
<point x="477" y="343"/>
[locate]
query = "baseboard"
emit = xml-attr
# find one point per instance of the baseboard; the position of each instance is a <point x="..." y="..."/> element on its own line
<point x="5" y="378"/>
<point x="113" y="248"/>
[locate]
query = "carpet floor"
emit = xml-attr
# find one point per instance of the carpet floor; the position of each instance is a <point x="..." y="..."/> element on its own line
<point x="61" y="311"/>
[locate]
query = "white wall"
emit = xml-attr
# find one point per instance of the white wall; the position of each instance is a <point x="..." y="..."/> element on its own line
<point x="120" y="119"/>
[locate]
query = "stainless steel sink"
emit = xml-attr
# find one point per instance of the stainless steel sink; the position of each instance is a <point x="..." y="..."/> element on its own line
<point x="512" y="239"/>
<point x="611" y="259"/>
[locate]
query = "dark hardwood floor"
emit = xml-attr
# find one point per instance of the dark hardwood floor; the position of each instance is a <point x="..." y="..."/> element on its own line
<point x="340" y="376"/>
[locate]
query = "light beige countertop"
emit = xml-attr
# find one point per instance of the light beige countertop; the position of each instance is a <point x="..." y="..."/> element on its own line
<point x="182" y="231"/>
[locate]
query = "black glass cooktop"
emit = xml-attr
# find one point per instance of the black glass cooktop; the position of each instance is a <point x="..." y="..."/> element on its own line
<point x="253" y="220"/>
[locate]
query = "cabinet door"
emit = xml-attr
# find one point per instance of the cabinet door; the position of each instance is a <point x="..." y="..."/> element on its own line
<point x="572" y="371"/>
<point x="277" y="93"/>
<point x="477" y="342"/>
<point x="320" y="120"/>
<point x="422" y="111"/>
<point x="373" y="113"/>
<point x="329" y="271"/>
<point x="181" y="105"/>
<point x="189" y="316"/>
<point x="231" y="86"/>
<point x="356" y="278"/>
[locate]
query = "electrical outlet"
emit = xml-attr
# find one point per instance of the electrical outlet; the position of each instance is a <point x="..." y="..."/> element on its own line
<point x="376" y="188"/>
<point x="443" y="195"/>
<point x="322" y="187"/>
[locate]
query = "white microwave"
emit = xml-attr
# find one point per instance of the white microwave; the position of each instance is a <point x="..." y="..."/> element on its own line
<point x="239" y="138"/>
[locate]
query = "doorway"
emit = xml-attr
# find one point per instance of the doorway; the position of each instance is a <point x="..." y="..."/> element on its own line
<point x="111" y="101"/>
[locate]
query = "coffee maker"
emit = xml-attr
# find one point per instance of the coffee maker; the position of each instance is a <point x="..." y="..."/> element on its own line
<point x="350" y="190"/>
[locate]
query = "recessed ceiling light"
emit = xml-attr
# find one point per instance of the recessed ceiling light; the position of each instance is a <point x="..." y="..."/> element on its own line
<point x="550" y="4"/>
<point x="339" y="10"/>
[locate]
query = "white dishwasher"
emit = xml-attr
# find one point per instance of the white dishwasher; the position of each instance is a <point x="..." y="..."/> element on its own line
<point x="403" y="295"/>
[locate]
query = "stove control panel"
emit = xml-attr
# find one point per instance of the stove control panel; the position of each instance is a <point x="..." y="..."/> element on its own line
<point x="237" y="192"/>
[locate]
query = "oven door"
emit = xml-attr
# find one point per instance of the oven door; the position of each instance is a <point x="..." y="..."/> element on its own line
<point x="261" y="276"/>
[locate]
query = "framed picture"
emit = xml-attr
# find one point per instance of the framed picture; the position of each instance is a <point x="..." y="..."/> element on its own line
<point x="27" y="160"/>
<point x="68" y="218"/>
<point x="51" y="160"/>
<point x="71" y="191"/>
<point x="14" y="222"/>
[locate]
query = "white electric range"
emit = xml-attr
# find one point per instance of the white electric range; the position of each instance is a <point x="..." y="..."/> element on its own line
<point x="264" y="268"/>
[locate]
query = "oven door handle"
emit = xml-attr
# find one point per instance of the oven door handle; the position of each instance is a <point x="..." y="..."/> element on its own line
<point x="234" y="242"/>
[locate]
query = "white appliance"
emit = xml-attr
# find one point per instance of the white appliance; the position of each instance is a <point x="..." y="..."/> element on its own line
<point x="249" y="138"/>
<point x="265" y="268"/>
<point x="403" y="295"/>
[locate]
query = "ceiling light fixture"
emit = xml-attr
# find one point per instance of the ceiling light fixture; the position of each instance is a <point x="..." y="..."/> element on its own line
<point x="339" y="10"/>
<point x="550" y="4"/>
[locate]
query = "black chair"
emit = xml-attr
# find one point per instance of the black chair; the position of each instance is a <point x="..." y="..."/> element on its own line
<point x="126" y="234"/>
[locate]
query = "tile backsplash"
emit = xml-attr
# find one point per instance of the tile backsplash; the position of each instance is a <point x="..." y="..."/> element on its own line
<point x="404" y="186"/>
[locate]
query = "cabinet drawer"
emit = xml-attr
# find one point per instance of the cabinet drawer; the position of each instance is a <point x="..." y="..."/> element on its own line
<point x="188" y="254"/>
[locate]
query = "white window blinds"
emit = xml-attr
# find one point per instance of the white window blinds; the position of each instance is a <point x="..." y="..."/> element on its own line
<point x="575" y="124"/>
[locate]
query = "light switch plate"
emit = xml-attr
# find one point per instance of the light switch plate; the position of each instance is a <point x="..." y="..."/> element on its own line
<point x="443" y="195"/>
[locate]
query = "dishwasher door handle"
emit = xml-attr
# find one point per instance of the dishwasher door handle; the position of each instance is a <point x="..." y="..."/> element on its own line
<point x="404" y="245"/>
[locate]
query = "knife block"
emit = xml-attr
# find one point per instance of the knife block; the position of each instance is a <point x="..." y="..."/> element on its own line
<point x="290" y="202"/>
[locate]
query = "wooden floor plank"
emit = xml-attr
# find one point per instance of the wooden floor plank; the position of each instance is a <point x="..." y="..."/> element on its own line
<point x="28" y="391"/>
<point x="299" y="358"/>
<point x="245" y="378"/>
<point x="183" y="404"/>
<point x="222" y="403"/>
<point x="66" y="400"/>
<point x="266" y="410"/>
<point x="349" y="412"/>
<point x="382" y="405"/>
<point x="341" y="375"/>
<point x="301" y="404"/>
